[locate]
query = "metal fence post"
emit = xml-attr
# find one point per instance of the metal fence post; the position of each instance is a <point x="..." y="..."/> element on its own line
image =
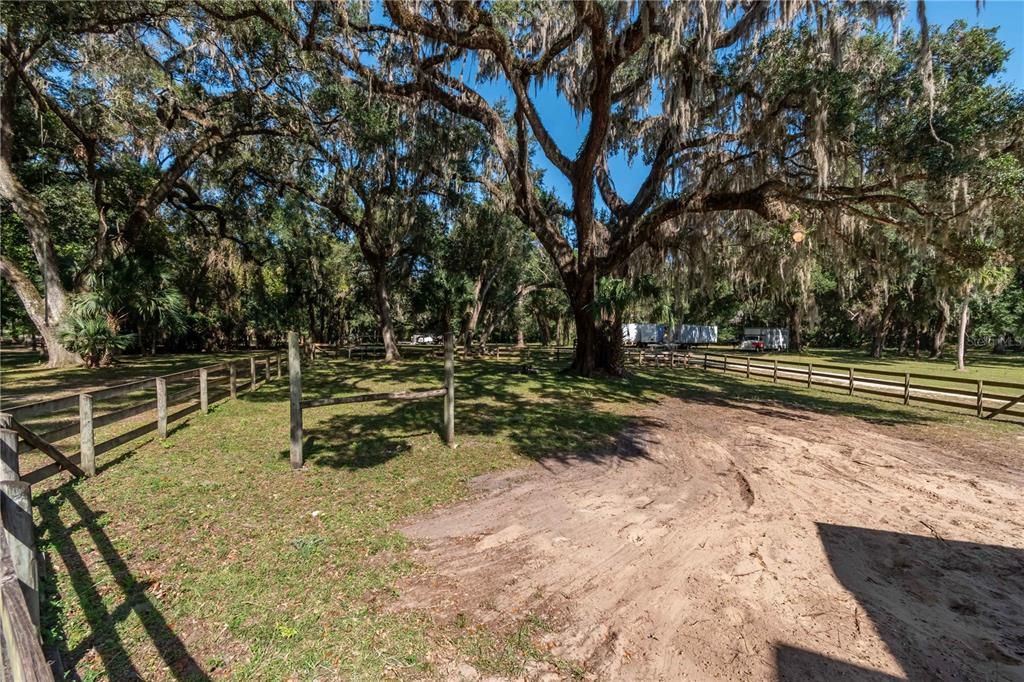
<point x="295" y="398"/>
<point x="87" y="446"/>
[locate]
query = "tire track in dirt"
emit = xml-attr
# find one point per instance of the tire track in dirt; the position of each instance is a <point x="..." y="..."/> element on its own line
<point x="731" y="543"/>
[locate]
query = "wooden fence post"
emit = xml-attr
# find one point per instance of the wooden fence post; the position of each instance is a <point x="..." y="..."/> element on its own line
<point x="252" y="372"/>
<point x="748" y="366"/>
<point x="266" y="373"/>
<point x="705" y="361"/>
<point x="851" y="381"/>
<point x="161" y="406"/>
<point x="775" y="371"/>
<point x="16" y="511"/>
<point x="204" y="393"/>
<point x="295" y="398"/>
<point x="449" y="387"/>
<point x="232" y="380"/>
<point x="981" y="398"/>
<point x="277" y="356"/>
<point x="672" y="359"/>
<point x="87" y="446"/>
<point x="810" y="374"/>
<point x="906" y="388"/>
<point x="9" y="468"/>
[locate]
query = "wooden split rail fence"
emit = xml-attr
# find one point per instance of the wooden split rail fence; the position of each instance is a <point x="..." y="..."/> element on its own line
<point x="492" y="351"/>
<point x="986" y="398"/>
<point x="973" y="395"/>
<point x="46" y="426"/>
<point x="297" y="404"/>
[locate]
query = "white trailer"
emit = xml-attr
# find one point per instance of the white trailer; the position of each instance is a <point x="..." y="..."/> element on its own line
<point x="695" y="335"/>
<point x="630" y="334"/>
<point x="648" y="333"/>
<point x="774" y="338"/>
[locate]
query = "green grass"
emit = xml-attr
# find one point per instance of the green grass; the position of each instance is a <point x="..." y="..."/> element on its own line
<point x="25" y="377"/>
<point x="205" y="556"/>
<point x="980" y="364"/>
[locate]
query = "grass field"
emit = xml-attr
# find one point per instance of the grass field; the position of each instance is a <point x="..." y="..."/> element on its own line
<point x="980" y="364"/>
<point x="204" y="556"/>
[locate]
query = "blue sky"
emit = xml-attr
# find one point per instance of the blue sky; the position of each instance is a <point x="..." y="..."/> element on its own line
<point x="1007" y="15"/>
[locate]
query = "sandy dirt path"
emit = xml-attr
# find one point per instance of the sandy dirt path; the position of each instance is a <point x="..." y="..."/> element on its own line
<point x="744" y="542"/>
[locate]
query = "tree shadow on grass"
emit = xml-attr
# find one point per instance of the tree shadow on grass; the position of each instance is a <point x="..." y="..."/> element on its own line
<point x="102" y="620"/>
<point x="545" y="415"/>
<point x="946" y="610"/>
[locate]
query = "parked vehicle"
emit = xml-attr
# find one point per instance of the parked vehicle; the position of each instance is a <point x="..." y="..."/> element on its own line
<point x="643" y="334"/>
<point x="774" y="338"/>
<point x="687" y="335"/>
<point x="751" y="342"/>
<point x="423" y="338"/>
<point x="630" y="333"/>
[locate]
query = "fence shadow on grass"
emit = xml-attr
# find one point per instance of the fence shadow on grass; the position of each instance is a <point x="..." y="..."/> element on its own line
<point x="103" y="621"/>
<point x="945" y="609"/>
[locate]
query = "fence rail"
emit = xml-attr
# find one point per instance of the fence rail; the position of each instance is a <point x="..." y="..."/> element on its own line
<point x="983" y="402"/>
<point x="297" y="404"/>
<point x="946" y="391"/>
<point x="47" y="425"/>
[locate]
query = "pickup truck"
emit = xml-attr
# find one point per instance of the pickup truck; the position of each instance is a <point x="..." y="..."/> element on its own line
<point x="751" y="343"/>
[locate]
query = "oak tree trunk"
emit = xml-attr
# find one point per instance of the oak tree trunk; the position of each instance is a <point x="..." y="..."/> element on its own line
<point x="796" y="335"/>
<point x="383" y="301"/>
<point x="939" y="338"/>
<point x="961" y="339"/>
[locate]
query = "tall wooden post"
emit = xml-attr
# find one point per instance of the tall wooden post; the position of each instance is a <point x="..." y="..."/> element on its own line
<point x="266" y="373"/>
<point x="748" y="367"/>
<point x="295" y="398"/>
<point x="981" y="397"/>
<point x="87" y="446"/>
<point x="161" y="406"/>
<point x="16" y="511"/>
<point x="851" y="381"/>
<point x="810" y="374"/>
<point x="906" y="388"/>
<point x="278" y="358"/>
<point x="449" y="385"/>
<point x="9" y="468"/>
<point x="233" y="380"/>
<point x="775" y="371"/>
<point x="204" y="393"/>
<point x="252" y="373"/>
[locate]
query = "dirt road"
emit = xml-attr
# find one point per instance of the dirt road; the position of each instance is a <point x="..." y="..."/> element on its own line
<point x="746" y="542"/>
